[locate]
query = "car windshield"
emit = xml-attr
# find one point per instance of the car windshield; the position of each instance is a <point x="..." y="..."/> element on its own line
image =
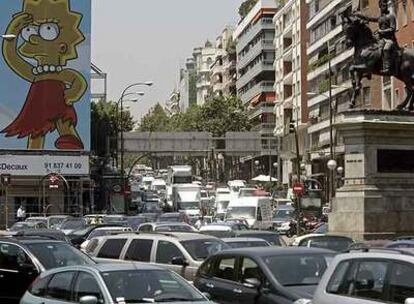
<point x="298" y="269"/>
<point x="152" y="207"/>
<point x="248" y="244"/>
<point x="53" y="255"/>
<point x="337" y="244"/>
<point x="113" y="219"/>
<point x="174" y="228"/>
<point x="37" y="220"/>
<point x="149" y="286"/>
<point x="241" y="212"/>
<point x="169" y="218"/>
<point x="73" y="224"/>
<point x="55" y="221"/>
<point x="22" y="225"/>
<point x="188" y="205"/>
<point x="284" y="213"/>
<point x="202" y="248"/>
<point x="271" y="238"/>
<point x="247" y="192"/>
<point x="222" y="205"/>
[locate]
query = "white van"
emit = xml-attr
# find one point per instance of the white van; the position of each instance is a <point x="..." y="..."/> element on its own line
<point x="222" y="200"/>
<point x="257" y="211"/>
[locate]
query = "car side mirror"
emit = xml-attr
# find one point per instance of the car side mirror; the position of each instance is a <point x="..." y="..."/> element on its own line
<point x="409" y="301"/>
<point x="179" y="260"/>
<point x="88" y="300"/>
<point x="252" y="283"/>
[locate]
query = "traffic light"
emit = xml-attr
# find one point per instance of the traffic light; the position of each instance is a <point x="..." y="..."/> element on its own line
<point x="292" y="127"/>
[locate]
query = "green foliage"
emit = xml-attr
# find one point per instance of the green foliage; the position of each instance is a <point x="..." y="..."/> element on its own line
<point x="246" y="7"/>
<point x="105" y="123"/>
<point x="218" y="116"/>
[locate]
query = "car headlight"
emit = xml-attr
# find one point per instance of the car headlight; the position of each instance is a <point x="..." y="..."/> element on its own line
<point x="303" y="301"/>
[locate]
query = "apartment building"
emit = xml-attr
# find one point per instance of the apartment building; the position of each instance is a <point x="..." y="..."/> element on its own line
<point x="223" y="69"/>
<point x="291" y="81"/>
<point x="187" y="85"/>
<point x="204" y="57"/>
<point x="254" y="37"/>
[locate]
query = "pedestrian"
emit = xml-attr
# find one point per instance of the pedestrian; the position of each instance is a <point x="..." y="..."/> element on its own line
<point x="21" y="214"/>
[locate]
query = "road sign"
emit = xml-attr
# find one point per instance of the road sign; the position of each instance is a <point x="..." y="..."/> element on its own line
<point x="298" y="189"/>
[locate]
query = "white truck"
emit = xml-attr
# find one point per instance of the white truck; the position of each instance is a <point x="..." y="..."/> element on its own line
<point x="180" y="175"/>
<point x="256" y="210"/>
<point x="187" y="198"/>
<point x="222" y="200"/>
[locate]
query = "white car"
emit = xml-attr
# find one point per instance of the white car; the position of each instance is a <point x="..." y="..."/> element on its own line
<point x="368" y="277"/>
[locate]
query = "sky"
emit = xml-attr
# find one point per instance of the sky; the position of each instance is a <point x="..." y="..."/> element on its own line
<point x="149" y="40"/>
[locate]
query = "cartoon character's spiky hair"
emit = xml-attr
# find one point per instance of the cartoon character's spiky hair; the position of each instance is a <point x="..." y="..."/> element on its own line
<point x="47" y="10"/>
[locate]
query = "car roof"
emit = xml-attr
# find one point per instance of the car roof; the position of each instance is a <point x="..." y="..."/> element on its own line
<point x="270" y="251"/>
<point x="216" y="227"/>
<point x="242" y="239"/>
<point x="28" y="240"/>
<point x="256" y="232"/>
<point x="107" y="267"/>
<point x="181" y="236"/>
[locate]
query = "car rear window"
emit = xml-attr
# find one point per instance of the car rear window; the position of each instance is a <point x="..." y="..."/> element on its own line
<point x="139" y="250"/>
<point x="112" y="249"/>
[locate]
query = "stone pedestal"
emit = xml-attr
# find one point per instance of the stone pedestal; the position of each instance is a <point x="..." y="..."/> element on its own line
<point x="377" y="199"/>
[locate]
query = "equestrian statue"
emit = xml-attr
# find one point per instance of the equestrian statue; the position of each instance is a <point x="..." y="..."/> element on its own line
<point x="378" y="54"/>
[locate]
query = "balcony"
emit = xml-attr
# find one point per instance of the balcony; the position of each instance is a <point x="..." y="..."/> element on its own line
<point x="202" y="84"/>
<point x="260" y="109"/>
<point x="253" y="72"/>
<point x="255" y="51"/>
<point x="261" y="87"/>
<point x="323" y="96"/>
<point x="264" y="128"/>
<point x="247" y="37"/>
<point x="337" y="59"/>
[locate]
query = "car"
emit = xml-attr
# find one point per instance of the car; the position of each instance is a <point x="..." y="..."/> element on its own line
<point x="263" y="275"/>
<point x="135" y="221"/>
<point x="282" y="216"/>
<point x="166" y="227"/>
<point x="37" y="219"/>
<point x="101" y="231"/>
<point x="115" y="219"/>
<point x="245" y="242"/>
<point x="401" y="244"/>
<point x="45" y="233"/>
<point x="152" y="217"/>
<point x="77" y="237"/>
<point x="54" y="221"/>
<point x="19" y="226"/>
<point x="269" y="236"/>
<point x="23" y="258"/>
<point x="217" y="230"/>
<point x="369" y="275"/>
<point x="173" y="217"/>
<point x="333" y="242"/>
<point x="73" y="223"/>
<point x="112" y="284"/>
<point x="180" y="252"/>
<point x="151" y="207"/>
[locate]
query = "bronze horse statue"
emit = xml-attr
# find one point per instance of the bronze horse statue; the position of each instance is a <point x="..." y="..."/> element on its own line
<point x="368" y="59"/>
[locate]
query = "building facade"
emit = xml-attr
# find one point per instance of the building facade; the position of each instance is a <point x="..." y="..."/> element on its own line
<point x="204" y="58"/>
<point x="291" y="81"/>
<point x="254" y="37"/>
<point x="187" y="85"/>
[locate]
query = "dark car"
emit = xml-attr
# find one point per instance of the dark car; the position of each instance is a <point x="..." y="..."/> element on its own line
<point x="263" y="275"/>
<point x="77" y="237"/>
<point x="173" y="217"/>
<point x="151" y="208"/>
<point x="44" y="233"/>
<point x="23" y="258"/>
<point x="269" y="236"/>
<point x="135" y="221"/>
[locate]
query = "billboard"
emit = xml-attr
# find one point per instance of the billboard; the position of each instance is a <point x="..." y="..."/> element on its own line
<point x="45" y="74"/>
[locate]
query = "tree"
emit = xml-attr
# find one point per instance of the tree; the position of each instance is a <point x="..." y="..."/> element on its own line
<point x="156" y="120"/>
<point x="246" y="7"/>
<point x="105" y="123"/>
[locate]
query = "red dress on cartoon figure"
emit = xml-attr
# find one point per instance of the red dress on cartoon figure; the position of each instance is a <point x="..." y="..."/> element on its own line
<point x="45" y="104"/>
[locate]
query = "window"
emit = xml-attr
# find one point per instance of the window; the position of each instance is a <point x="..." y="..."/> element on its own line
<point x="39" y="287"/>
<point x="12" y="256"/>
<point x="250" y="270"/>
<point x="226" y="269"/>
<point x="401" y="283"/>
<point x="86" y="285"/>
<point x="139" y="250"/>
<point x="146" y="228"/>
<point x="166" y="251"/>
<point x="59" y="286"/>
<point x="205" y="269"/>
<point x="112" y="249"/>
<point x="338" y="277"/>
<point x="259" y="214"/>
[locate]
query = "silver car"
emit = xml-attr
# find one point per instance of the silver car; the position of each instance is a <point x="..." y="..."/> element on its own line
<point x="111" y="284"/>
<point x="180" y="252"/>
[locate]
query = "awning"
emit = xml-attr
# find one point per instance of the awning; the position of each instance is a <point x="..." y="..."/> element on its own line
<point x="268" y="97"/>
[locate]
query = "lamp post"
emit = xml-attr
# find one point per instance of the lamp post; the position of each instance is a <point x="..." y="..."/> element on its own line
<point x="121" y="100"/>
<point x="332" y="165"/>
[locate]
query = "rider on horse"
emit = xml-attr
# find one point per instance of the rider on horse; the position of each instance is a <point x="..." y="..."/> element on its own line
<point x="387" y="28"/>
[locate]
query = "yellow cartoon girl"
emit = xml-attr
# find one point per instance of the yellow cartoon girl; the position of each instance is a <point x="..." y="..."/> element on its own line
<point x="50" y="34"/>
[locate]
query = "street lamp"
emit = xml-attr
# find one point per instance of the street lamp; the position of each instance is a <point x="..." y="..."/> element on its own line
<point x="340" y="170"/>
<point x="121" y="100"/>
<point x="257" y="163"/>
<point x="332" y="165"/>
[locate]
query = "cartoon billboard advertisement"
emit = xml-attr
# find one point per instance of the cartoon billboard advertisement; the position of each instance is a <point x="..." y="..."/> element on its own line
<point x="45" y="74"/>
